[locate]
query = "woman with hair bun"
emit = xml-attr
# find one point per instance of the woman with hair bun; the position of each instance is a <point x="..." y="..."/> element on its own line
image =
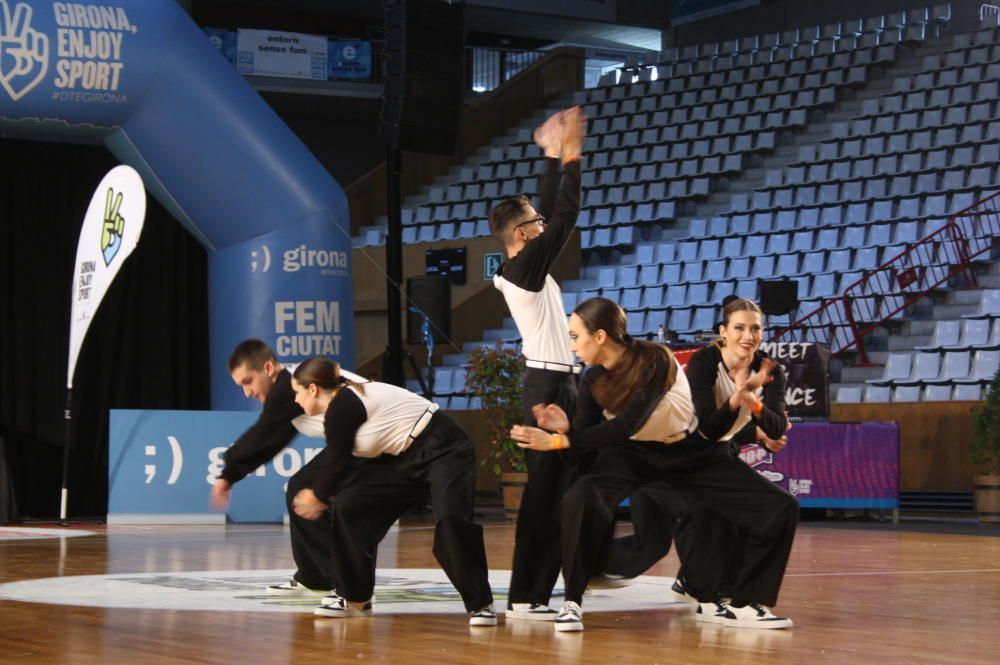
<point x="435" y="459"/>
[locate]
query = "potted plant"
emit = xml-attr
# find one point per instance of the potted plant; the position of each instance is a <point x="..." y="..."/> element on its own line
<point x="985" y="453"/>
<point x="494" y="376"/>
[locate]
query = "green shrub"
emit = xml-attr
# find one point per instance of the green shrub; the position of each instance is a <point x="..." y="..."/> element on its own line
<point x="494" y="377"/>
<point x="985" y="446"/>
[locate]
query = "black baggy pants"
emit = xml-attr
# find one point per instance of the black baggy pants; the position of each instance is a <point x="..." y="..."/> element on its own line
<point x="312" y="540"/>
<point x="440" y="464"/>
<point x="536" y="536"/>
<point x="708" y="546"/>
<point x="655" y="509"/>
<point x="767" y="514"/>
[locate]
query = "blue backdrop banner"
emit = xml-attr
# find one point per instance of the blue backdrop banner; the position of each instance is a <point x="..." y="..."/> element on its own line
<point x="164" y="463"/>
<point x="286" y="288"/>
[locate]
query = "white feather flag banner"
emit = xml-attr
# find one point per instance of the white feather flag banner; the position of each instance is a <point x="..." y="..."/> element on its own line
<point x="110" y="232"/>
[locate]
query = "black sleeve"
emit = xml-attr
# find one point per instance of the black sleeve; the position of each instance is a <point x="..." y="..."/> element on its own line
<point x="267" y="437"/>
<point x="588" y="412"/>
<point x="548" y="188"/>
<point x="746" y="435"/>
<point x="616" y="431"/>
<point x="772" y="417"/>
<point x="702" y="372"/>
<point x="344" y="416"/>
<point x="529" y="268"/>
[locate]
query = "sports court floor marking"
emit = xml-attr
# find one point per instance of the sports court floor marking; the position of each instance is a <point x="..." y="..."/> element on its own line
<point x="397" y="591"/>
<point x="33" y="533"/>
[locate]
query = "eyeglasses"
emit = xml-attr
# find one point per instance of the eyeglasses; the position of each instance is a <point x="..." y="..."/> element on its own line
<point x="540" y="220"/>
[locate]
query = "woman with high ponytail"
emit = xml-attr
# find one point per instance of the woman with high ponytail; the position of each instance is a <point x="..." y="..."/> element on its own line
<point x="635" y="410"/>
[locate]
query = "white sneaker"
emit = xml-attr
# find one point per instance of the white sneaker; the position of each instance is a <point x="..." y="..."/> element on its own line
<point x="680" y="592"/>
<point x="293" y="588"/>
<point x="531" y="612"/>
<point x="486" y="616"/>
<point x="710" y="612"/>
<point x="753" y="615"/>
<point x="335" y="607"/>
<point x="570" y="618"/>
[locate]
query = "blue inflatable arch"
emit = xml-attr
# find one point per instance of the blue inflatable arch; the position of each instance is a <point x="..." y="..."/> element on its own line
<point x="143" y="79"/>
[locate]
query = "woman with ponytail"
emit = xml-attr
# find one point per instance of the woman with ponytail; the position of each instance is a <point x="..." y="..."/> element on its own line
<point x="636" y="412"/>
<point x="435" y="460"/>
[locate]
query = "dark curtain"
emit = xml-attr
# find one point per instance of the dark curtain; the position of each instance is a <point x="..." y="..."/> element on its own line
<point x="146" y="347"/>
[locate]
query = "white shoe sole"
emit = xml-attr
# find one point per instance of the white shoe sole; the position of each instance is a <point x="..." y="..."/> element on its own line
<point x="341" y="614"/>
<point x="301" y="592"/>
<point x="569" y="627"/>
<point x="519" y="615"/>
<point x="547" y="614"/>
<point x="482" y="621"/>
<point x="774" y="624"/>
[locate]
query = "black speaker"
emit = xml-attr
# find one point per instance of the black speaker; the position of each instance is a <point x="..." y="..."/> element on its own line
<point x="424" y="75"/>
<point x="432" y="295"/>
<point x="778" y="296"/>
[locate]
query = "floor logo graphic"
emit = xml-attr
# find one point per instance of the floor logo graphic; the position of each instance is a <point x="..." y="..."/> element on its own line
<point x="24" y="52"/>
<point x="35" y="533"/>
<point x="397" y="591"/>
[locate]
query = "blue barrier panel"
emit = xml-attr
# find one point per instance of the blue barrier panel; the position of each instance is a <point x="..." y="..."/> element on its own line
<point x="161" y="464"/>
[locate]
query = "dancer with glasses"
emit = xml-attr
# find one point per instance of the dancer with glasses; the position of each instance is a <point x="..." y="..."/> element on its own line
<point x="535" y="301"/>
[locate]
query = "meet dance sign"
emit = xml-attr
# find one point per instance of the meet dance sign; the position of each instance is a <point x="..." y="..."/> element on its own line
<point x="807" y="393"/>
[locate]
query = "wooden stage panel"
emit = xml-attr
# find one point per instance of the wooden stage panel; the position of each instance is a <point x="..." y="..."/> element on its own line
<point x="858" y="595"/>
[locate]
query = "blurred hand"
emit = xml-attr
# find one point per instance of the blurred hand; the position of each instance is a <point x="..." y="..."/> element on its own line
<point x="774" y="445"/>
<point x="548" y="135"/>
<point x="535" y="438"/>
<point x="307" y="505"/>
<point x="761" y="376"/>
<point x="551" y="417"/>
<point x="218" y="498"/>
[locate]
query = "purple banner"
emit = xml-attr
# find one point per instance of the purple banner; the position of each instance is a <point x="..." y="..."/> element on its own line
<point x="835" y="465"/>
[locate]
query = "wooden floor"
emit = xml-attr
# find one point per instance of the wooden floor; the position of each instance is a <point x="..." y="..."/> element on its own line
<point x="857" y="595"/>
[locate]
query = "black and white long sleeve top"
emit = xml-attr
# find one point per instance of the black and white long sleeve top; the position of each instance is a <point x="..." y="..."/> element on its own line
<point x="533" y="296"/>
<point x="279" y="421"/>
<point x="651" y="413"/>
<point x="711" y="388"/>
<point x="381" y="420"/>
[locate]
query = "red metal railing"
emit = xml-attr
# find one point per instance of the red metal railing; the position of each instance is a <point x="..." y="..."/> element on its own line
<point x="943" y="257"/>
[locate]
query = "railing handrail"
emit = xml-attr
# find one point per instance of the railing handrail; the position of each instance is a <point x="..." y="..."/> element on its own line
<point x="950" y="235"/>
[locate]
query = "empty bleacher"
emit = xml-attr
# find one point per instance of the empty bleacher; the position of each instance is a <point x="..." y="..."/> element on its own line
<point x="816" y="154"/>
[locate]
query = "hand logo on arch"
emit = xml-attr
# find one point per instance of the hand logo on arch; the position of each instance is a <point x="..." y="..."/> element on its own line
<point x="24" y="52"/>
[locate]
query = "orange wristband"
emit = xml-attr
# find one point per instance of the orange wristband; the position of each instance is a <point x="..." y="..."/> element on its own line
<point x="558" y="442"/>
<point x="757" y="407"/>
